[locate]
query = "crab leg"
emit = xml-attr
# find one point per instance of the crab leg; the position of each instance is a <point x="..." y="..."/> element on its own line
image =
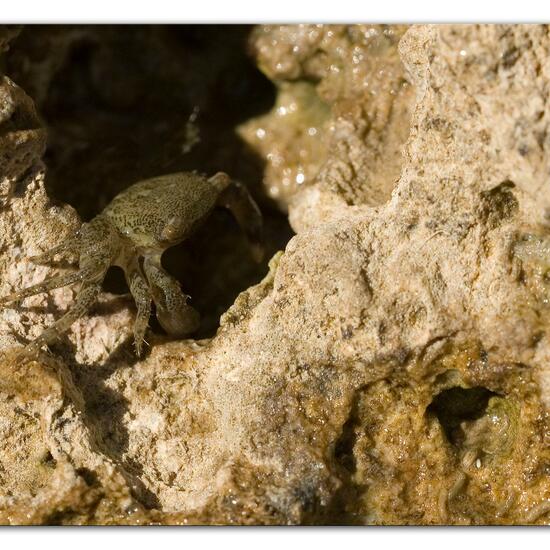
<point x="174" y="314"/>
<point x="92" y="274"/>
<point x="70" y="245"/>
<point x="143" y="297"/>
<point x="95" y="259"/>
<point x="236" y="198"/>
<point x="48" y="284"/>
<point x="83" y="302"/>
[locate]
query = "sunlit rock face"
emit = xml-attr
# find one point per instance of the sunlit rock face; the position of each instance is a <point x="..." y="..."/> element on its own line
<point x="342" y="111"/>
<point x="389" y="365"/>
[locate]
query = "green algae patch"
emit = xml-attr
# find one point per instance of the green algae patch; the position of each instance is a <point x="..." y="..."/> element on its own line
<point x="466" y="444"/>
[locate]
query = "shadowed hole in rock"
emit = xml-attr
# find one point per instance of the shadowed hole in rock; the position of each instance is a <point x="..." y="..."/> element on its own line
<point x="88" y="476"/>
<point x="117" y="102"/>
<point x="345" y="504"/>
<point x="456" y="405"/>
<point x="49" y="460"/>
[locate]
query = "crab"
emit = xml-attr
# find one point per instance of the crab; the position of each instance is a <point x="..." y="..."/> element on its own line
<point x="132" y="232"/>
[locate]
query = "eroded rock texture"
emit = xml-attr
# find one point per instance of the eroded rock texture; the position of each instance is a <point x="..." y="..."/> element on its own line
<point x="342" y="111"/>
<point x="392" y="365"/>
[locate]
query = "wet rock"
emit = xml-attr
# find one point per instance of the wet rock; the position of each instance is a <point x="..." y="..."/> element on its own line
<point x="392" y="365"/>
<point x="342" y="114"/>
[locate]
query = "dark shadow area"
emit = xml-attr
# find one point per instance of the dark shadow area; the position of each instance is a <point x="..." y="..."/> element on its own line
<point x="105" y="409"/>
<point x="457" y="405"/>
<point x="344" y="506"/>
<point x="125" y="103"/>
<point x="117" y="102"/>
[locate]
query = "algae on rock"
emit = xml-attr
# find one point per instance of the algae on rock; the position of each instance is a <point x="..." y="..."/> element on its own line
<point x="392" y="366"/>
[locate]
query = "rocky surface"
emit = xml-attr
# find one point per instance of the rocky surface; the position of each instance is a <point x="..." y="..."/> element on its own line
<point x="342" y="111"/>
<point x="392" y="365"/>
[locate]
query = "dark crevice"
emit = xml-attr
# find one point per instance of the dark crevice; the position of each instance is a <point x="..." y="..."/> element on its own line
<point x="117" y="102"/>
<point x="345" y="503"/>
<point x="456" y="405"/>
<point x="90" y="477"/>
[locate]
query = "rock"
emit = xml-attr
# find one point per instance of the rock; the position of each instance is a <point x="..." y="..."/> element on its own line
<point x="392" y="366"/>
<point x="342" y="112"/>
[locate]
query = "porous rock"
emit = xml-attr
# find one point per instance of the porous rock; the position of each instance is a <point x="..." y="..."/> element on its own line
<point x="391" y="368"/>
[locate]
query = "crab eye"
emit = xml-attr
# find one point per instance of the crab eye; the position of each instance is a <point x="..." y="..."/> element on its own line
<point x="172" y="229"/>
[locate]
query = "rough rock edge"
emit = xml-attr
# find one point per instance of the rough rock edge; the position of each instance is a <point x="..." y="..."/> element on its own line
<point x="243" y="428"/>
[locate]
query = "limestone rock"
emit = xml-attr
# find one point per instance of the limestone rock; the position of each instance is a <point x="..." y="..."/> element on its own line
<point x="392" y="366"/>
<point x="342" y="113"/>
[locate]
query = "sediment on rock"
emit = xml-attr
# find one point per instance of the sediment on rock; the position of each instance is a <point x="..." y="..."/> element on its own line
<point x="389" y="366"/>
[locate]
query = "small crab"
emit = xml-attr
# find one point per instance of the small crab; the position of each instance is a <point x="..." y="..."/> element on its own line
<point x="133" y="232"/>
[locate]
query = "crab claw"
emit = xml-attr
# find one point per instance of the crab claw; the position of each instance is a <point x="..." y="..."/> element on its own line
<point x="179" y="322"/>
<point x="175" y="316"/>
<point x="235" y="197"/>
